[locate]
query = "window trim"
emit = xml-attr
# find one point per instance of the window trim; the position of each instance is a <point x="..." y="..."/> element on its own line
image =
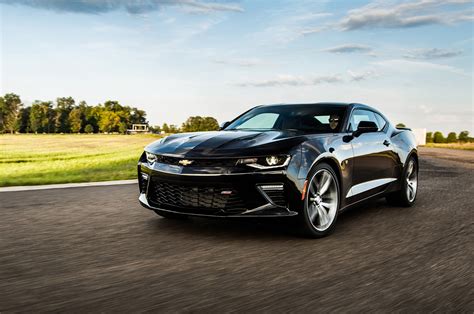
<point x="383" y="119"/>
<point x="277" y="126"/>
<point x="349" y="118"/>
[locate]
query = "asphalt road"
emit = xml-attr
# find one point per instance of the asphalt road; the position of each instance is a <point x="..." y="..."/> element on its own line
<point x="96" y="250"/>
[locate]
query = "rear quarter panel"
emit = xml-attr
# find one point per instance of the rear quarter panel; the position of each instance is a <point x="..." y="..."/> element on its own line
<point x="404" y="145"/>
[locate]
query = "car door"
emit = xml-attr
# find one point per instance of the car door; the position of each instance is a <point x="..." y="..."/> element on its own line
<point x="374" y="161"/>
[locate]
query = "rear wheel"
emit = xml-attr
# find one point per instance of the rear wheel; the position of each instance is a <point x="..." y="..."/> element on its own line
<point x="407" y="195"/>
<point x="321" y="204"/>
<point x="169" y="215"/>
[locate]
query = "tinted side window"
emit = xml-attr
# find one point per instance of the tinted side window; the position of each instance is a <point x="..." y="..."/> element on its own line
<point x="362" y="115"/>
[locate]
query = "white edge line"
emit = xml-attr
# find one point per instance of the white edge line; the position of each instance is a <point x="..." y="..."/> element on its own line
<point x="65" y="185"/>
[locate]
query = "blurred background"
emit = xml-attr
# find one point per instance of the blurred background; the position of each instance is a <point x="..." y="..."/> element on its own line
<point x="86" y="84"/>
<point x="157" y="67"/>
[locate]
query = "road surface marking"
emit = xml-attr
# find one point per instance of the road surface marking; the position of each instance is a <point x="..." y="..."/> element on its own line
<point x="64" y="186"/>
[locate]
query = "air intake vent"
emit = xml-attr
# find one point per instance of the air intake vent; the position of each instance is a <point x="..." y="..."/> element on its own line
<point x="143" y="182"/>
<point x="275" y="192"/>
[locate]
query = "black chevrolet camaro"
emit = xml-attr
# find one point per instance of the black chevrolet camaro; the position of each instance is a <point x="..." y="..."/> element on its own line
<point x="304" y="161"/>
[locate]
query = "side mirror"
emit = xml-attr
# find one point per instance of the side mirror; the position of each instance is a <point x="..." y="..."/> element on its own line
<point x="365" y="127"/>
<point x="224" y="125"/>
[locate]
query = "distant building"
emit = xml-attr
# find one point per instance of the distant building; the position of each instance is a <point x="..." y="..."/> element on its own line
<point x="138" y="128"/>
<point x="420" y="136"/>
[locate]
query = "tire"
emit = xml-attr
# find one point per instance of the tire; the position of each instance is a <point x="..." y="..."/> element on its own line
<point x="406" y="197"/>
<point x="319" y="214"/>
<point x="169" y="215"/>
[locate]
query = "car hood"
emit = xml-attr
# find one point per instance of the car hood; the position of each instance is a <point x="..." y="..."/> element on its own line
<point x="226" y="143"/>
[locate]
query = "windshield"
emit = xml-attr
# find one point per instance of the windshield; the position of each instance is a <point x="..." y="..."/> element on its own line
<point x="305" y="118"/>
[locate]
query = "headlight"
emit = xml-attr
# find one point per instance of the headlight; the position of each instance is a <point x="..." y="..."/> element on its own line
<point x="273" y="160"/>
<point x="268" y="162"/>
<point x="151" y="158"/>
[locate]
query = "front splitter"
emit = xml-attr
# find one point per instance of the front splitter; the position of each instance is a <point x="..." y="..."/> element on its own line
<point x="264" y="211"/>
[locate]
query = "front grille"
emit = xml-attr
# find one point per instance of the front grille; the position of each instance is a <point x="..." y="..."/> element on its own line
<point x="199" y="162"/>
<point x="194" y="197"/>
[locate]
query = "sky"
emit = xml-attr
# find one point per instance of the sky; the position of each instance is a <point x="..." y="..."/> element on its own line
<point x="412" y="60"/>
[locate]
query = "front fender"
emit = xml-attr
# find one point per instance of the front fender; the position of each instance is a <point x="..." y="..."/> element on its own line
<point x="331" y="149"/>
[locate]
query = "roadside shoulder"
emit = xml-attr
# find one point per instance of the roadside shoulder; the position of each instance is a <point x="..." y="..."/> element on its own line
<point x="64" y="185"/>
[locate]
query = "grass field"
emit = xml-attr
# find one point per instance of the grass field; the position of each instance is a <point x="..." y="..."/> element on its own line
<point x="29" y="159"/>
<point x="464" y="146"/>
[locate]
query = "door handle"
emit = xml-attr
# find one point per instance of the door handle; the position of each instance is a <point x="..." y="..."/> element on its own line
<point x="386" y="143"/>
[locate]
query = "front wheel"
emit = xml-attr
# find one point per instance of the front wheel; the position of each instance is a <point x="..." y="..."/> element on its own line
<point x="321" y="203"/>
<point x="407" y="195"/>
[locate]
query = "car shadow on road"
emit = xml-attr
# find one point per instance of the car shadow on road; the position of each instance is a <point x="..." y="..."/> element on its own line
<point x="349" y="221"/>
<point x="225" y="227"/>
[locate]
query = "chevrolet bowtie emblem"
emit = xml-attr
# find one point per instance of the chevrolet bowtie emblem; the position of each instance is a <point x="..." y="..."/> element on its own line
<point x="185" y="162"/>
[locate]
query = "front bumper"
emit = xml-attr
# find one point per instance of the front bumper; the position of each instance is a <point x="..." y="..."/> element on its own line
<point x="224" y="194"/>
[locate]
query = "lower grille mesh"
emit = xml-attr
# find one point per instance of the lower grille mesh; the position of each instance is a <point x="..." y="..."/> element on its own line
<point x="189" y="196"/>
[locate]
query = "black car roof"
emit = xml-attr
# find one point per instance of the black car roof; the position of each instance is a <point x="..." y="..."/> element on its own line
<point x="335" y="104"/>
<point x="339" y="104"/>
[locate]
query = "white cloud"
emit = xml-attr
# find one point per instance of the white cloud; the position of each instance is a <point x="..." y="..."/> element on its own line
<point x="314" y="30"/>
<point x="361" y="76"/>
<point x="416" y="66"/>
<point x="431" y="53"/>
<point x="348" y="48"/>
<point x="311" y="16"/>
<point x="402" y="15"/>
<point x="186" y="33"/>
<point x="131" y="6"/>
<point x="286" y="23"/>
<point x="207" y="7"/>
<point x="292" y="80"/>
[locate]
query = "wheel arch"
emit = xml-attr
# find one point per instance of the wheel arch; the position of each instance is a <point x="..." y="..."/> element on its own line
<point x="335" y="166"/>
<point x="402" y="168"/>
<point x="304" y="217"/>
<point x="413" y="153"/>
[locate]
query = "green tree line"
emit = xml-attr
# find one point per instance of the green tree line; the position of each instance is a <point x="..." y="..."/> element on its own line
<point x="66" y="116"/>
<point x="192" y="124"/>
<point x="438" y="137"/>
